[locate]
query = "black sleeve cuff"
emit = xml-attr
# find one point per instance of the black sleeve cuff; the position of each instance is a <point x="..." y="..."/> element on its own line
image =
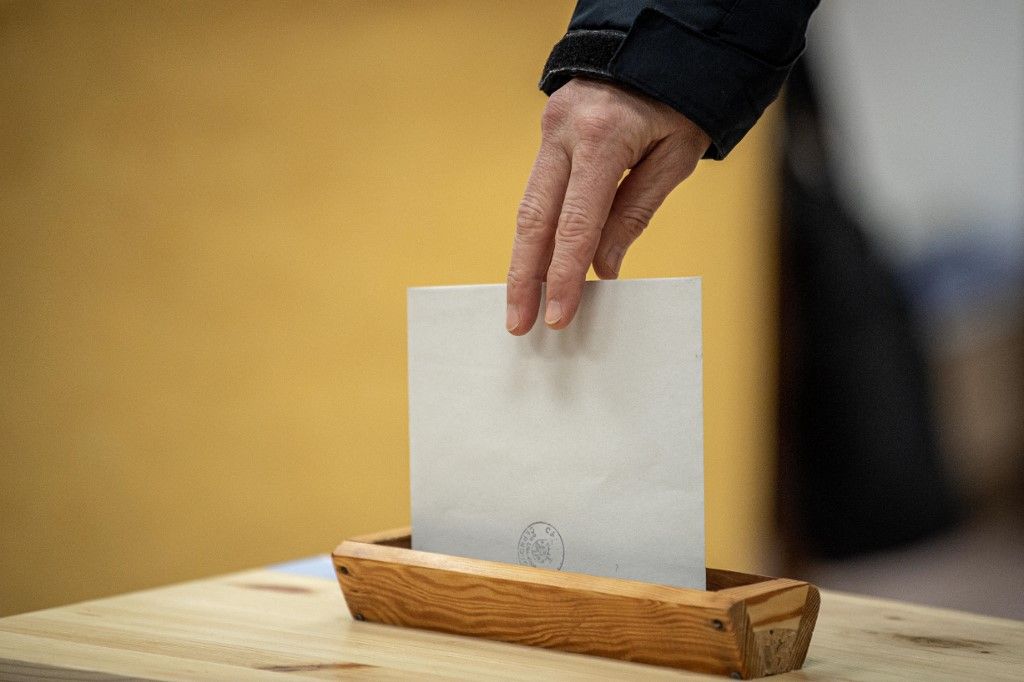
<point x="721" y="88"/>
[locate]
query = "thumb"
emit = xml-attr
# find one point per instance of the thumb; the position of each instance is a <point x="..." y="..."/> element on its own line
<point x="639" y="195"/>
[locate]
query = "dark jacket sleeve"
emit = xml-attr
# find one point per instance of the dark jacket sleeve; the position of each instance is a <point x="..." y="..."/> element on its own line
<point x="718" y="62"/>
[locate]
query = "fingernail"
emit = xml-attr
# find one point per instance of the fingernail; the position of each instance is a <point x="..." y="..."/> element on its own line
<point x="614" y="258"/>
<point x="511" y="317"/>
<point x="553" y="313"/>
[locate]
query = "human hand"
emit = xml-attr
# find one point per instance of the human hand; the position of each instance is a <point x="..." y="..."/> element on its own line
<point x="575" y="211"/>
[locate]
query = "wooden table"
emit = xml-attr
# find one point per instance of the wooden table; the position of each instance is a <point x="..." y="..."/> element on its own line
<point x="275" y="625"/>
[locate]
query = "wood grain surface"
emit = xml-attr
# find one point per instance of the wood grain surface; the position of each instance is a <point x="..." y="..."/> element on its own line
<point x="262" y="625"/>
<point x="751" y="626"/>
<point x="619" y="619"/>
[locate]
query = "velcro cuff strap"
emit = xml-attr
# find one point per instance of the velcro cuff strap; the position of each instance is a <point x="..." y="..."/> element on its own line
<point x="581" y="53"/>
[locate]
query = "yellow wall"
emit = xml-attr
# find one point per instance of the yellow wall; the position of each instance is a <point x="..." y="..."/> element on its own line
<point x="209" y="214"/>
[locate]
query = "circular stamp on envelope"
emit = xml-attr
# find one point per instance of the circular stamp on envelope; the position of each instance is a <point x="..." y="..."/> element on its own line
<point x="541" y="545"/>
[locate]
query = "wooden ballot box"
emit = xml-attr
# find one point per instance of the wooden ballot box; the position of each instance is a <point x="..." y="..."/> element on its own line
<point x="743" y="626"/>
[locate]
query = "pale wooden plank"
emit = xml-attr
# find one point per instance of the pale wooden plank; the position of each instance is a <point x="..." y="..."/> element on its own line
<point x="263" y="623"/>
<point x="20" y="671"/>
<point x="54" y="655"/>
<point x="229" y="627"/>
<point x="861" y="638"/>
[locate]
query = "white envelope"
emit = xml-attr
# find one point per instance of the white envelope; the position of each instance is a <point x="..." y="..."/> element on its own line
<point x="579" y="450"/>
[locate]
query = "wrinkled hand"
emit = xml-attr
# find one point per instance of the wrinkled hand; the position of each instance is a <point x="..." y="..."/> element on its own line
<point x="575" y="211"/>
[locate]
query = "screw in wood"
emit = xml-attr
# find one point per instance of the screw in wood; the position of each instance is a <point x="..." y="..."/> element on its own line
<point x="343" y="570"/>
<point x="735" y="675"/>
<point x="360" y="616"/>
<point x="717" y="624"/>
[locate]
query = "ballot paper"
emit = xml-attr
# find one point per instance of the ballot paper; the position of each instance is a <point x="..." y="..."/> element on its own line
<point x="576" y="450"/>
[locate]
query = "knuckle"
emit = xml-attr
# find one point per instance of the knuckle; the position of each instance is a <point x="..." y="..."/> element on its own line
<point x="530" y="223"/>
<point x="633" y="227"/>
<point x="516" y="277"/>
<point x="604" y="137"/>
<point x="575" y="227"/>
<point x="634" y="220"/>
<point x="595" y="126"/>
<point x="554" y="116"/>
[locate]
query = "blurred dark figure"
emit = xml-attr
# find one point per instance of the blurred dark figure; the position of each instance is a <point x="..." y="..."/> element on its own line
<point x="860" y="467"/>
<point x="902" y="296"/>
